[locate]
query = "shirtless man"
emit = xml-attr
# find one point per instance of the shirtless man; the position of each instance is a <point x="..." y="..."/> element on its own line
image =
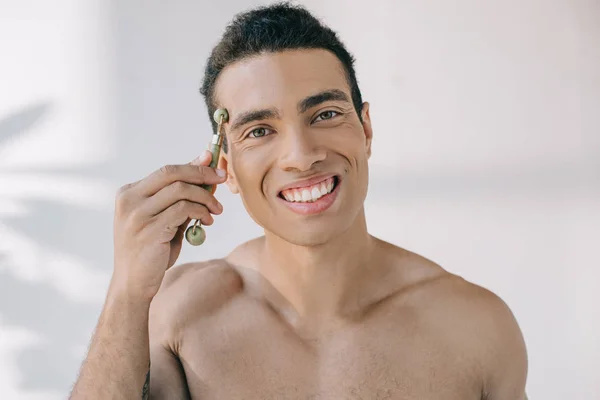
<point x="317" y="308"/>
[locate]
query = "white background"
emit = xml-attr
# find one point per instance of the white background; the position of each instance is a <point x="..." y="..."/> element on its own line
<point x="486" y="159"/>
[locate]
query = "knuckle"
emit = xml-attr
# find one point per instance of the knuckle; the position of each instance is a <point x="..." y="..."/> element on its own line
<point x="170" y="228"/>
<point x="136" y="221"/>
<point x="168" y="169"/>
<point x="123" y="189"/>
<point x="133" y="217"/>
<point x="178" y="187"/>
<point x="202" y="170"/>
<point x="122" y="197"/>
<point x="180" y="206"/>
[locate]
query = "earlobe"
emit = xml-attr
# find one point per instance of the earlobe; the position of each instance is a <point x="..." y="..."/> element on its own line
<point x="231" y="182"/>
<point x="368" y="129"/>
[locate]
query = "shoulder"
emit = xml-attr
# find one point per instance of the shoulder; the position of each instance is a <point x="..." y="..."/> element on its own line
<point x="479" y="325"/>
<point x="496" y="339"/>
<point x="206" y="278"/>
<point x="475" y="307"/>
<point x="441" y="297"/>
<point x="501" y="347"/>
<point x="190" y="292"/>
<point x="476" y="324"/>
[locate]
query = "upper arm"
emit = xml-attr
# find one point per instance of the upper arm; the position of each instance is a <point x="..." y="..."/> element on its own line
<point x="480" y="325"/>
<point x="504" y="355"/>
<point x="186" y="294"/>
<point x="167" y="378"/>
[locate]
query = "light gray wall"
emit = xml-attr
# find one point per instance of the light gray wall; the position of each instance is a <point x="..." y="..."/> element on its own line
<point x="486" y="159"/>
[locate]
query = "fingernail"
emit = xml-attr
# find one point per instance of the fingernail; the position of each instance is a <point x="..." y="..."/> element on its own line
<point x="221" y="172"/>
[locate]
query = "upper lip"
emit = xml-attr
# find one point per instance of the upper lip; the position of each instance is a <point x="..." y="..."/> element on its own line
<point x="306" y="182"/>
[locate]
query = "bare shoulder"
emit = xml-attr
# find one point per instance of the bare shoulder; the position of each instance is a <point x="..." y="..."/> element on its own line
<point x="485" y="325"/>
<point x="473" y="321"/>
<point x="190" y="292"/>
<point x="465" y="305"/>
<point x="446" y="298"/>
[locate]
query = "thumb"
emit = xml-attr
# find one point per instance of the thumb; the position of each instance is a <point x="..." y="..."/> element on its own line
<point x="203" y="159"/>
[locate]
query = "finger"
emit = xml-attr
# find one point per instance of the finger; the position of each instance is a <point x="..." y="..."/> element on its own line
<point x="184" y="209"/>
<point x="203" y="159"/>
<point x="181" y="230"/>
<point x="177" y="238"/>
<point x="174" y="217"/>
<point x="195" y="174"/>
<point x="177" y="191"/>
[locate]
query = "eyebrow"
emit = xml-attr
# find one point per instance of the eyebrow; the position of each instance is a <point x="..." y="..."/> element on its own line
<point x="303" y="106"/>
<point x="256" y="115"/>
<point x="322" y="97"/>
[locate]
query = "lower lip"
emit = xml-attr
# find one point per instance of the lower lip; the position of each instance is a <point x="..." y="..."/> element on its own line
<point x="314" y="207"/>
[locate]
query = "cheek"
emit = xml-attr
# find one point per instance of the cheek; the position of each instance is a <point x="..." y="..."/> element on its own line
<point x="349" y="135"/>
<point x="249" y="167"/>
<point x="349" y="142"/>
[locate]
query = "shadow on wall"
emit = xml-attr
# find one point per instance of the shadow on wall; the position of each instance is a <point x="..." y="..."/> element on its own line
<point x="44" y="250"/>
<point x="21" y="121"/>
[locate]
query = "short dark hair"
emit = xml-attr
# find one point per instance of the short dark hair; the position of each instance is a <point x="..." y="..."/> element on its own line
<point x="273" y="28"/>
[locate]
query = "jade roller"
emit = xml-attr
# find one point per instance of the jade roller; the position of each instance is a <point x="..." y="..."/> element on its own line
<point x="195" y="234"/>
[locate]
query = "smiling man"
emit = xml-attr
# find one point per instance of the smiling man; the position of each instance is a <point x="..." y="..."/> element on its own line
<point x="317" y="308"/>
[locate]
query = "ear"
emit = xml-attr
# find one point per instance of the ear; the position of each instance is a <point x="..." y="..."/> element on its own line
<point x="368" y="129"/>
<point x="231" y="182"/>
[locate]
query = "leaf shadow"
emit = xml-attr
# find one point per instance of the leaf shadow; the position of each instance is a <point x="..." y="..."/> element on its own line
<point x="20" y="121"/>
<point x="62" y="323"/>
<point x="46" y="312"/>
<point x="67" y="228"/>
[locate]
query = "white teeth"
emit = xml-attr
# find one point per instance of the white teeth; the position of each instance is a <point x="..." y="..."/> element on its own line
<point x="306" y="195"/>
<point x="309" y="195"/>
<point x="316" y="193"/>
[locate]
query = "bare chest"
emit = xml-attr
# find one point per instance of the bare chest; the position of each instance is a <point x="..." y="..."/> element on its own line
<point x="256" y="356"/>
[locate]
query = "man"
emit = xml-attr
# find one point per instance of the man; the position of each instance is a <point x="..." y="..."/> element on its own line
<point x="317" y="308"/>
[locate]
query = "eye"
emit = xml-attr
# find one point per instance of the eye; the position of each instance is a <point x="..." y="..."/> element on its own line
<point x="259" y="132"/>
<point x="325" y="115"/>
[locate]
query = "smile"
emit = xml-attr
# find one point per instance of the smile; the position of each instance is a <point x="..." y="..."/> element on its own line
<point x="309" y="194"/>
<point x="311" y="199"/>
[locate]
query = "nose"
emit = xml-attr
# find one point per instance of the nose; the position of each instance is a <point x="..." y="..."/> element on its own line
<point x="299" y="151"/>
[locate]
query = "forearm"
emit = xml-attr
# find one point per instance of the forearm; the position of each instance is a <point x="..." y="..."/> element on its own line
<point x="118" y="358"/>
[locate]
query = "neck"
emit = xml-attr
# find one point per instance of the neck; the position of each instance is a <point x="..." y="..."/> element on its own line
<point x="318" y="281"/>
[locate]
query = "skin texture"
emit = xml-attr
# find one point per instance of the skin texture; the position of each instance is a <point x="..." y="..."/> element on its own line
<point x="318" y="308"/>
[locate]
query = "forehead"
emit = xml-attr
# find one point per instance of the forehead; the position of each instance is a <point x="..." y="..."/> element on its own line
<point x="278" y="80"/>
